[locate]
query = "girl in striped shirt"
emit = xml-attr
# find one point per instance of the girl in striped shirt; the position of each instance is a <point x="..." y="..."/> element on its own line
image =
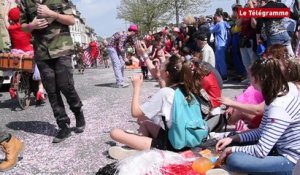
<point x="278" y="131"/>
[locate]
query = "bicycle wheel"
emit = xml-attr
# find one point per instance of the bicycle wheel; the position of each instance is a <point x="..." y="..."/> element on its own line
<point x="23" y="89"/>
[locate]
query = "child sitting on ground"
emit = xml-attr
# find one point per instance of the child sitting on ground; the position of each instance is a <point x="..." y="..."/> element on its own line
<point x="152" y="132"/>
<point x="246" y="112"/>
<point x="278" y="129"/>
<point x="241" y="119"/>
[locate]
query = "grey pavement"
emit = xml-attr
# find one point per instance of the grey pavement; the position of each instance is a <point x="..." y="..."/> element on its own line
<point x="105" y="108"/>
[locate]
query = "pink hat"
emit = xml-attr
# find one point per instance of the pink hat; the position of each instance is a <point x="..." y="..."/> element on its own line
<point x="176" y="29"/>
<point x="133" y="28"/>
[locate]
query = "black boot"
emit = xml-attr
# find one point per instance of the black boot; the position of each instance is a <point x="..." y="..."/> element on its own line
<point x="62" y="134"/>
<point x="80" y="122"/>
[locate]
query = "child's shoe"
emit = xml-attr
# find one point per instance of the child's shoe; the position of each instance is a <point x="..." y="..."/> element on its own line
<point x="12" y="93"/>
<point x="40" y="96"/>
<point x="120" y="153"/>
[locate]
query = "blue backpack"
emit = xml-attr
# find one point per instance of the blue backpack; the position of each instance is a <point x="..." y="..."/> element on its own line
<point x="188" y="128"/>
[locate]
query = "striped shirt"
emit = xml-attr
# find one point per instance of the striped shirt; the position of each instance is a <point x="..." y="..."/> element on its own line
<point x="117" y="41"/>
<point x="280" y="128"/>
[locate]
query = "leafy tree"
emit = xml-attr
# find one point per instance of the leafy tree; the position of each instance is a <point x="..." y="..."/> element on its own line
<point x="151" y="14"/>
<point x="182" y="7"/>
<point x="148" y="14"/>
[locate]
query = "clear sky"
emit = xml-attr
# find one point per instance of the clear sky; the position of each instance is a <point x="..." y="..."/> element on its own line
<point x="102" y="14"/>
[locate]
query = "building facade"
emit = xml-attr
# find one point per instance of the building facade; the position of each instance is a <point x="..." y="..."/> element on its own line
<point x="80" y="32"/>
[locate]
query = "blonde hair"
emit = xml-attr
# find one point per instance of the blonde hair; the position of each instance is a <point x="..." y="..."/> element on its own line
<point x="189" y="20"/>
<point x="202" y="19"/>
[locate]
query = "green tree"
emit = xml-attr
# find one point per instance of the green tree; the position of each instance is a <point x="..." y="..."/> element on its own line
<point x="150" y="14"/>
<point x="183" y="7"/>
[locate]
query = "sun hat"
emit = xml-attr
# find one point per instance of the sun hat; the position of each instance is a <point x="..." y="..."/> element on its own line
<point x="133" y="27"/>
<point x="14" y="14"/>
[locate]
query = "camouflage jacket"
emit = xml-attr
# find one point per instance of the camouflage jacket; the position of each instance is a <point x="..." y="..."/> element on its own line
<point x="55" y="40"/>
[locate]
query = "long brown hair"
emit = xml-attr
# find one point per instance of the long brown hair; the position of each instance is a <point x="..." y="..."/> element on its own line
<point x="294" y="71"/>
<point x="200" y="70"/>
<point x="268" y="74"/>
<point x="180" y="73"/>
<point x="280" y="52"/>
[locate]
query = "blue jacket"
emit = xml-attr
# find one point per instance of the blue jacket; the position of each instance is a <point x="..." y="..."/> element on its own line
<point x="221" y="32"/>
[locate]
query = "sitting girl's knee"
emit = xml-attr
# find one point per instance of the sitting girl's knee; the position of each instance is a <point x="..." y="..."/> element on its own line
<point x="233" y="162"/>
<point x="115" y="133"/>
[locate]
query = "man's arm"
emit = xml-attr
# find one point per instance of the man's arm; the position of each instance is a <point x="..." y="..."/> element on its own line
<point x="45" y="12"/>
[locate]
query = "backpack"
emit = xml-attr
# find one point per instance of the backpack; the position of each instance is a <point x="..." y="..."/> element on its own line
<point x="188" y="128"/>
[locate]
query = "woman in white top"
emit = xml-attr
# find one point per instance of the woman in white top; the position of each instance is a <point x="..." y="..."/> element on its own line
<point x="152" y="133"/>
<point x="278" y="131"/>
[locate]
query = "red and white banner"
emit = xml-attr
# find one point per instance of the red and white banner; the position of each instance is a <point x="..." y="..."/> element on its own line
<point x="263" y="12"/>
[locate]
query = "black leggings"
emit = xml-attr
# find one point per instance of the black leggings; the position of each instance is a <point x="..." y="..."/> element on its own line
<point x="162" y="142"/>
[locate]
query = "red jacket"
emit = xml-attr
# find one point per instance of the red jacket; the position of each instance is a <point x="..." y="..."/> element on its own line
<point x="19" y="38"/>
<point x="94" y="49"/>
<point x="211" y="86"/>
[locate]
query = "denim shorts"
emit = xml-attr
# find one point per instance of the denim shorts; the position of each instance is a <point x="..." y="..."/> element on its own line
<point x="282" y="38"/>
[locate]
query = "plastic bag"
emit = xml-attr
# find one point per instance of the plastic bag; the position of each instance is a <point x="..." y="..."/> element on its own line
<point x="36" y="74"/>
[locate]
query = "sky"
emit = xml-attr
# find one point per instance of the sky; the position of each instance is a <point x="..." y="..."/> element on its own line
<point x="102" y="14"/>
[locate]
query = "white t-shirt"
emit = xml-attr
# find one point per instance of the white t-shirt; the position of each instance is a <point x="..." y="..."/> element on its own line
<point x="209" y="55"/>
<point x="160" y="104"/>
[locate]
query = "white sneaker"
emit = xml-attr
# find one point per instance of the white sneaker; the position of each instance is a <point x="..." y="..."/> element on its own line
<point x="120" y="153"/>
<point x="124" y="85"/>
<point x="217" y="171"/>
<point x="120" y="86"/>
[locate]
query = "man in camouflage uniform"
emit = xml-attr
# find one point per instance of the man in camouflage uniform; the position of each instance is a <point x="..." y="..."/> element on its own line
<point x="48" y="21"/>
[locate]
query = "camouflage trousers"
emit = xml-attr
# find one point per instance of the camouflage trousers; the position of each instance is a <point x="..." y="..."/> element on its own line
<point x="57" y="78"/>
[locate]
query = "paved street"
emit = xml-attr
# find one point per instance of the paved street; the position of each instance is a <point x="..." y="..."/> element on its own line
<point x="105" y="107"/>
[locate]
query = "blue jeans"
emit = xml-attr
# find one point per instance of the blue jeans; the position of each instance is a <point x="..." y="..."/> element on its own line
<point x="248" y="55"/>
<point x="270" y="165"/>
<point x="280" y="38"/>
<point x="283" y="39"/>
<point x="236" y="55"/>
